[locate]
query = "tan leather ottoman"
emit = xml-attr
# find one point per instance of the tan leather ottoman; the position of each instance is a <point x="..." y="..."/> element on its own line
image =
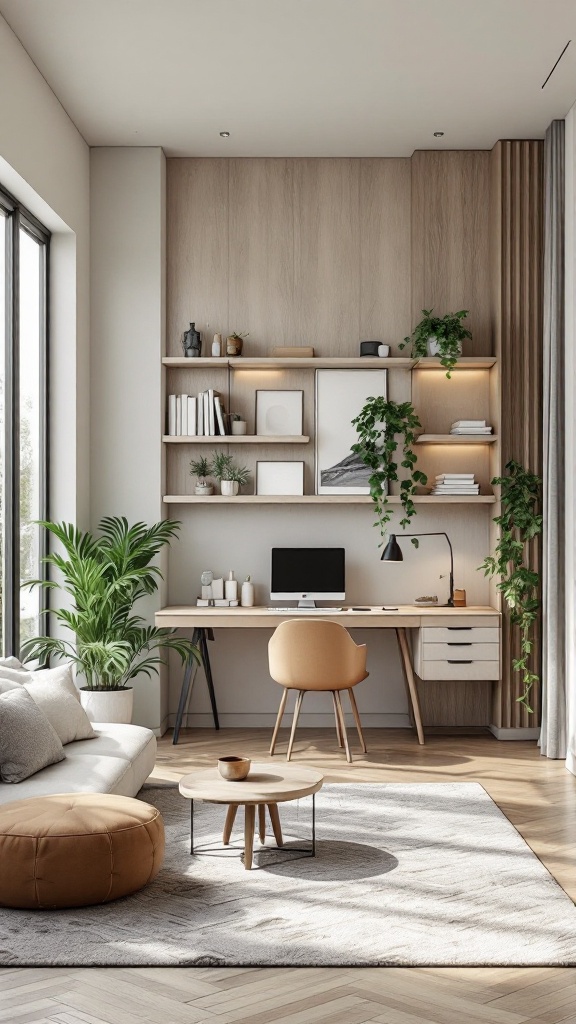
<point x="76" y="849"/>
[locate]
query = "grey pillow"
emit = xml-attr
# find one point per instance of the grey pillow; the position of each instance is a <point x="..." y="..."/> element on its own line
<point x="28" y="742"/>
<point x="54" y="692"/>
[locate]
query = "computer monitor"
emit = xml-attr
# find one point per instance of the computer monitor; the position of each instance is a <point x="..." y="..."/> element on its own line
<point x="307" y="574"/>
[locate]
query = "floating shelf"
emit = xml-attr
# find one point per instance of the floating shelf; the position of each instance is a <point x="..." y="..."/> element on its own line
<point x="457" y="439"/>
<point x="315" y="363"/>
<point x="198" y="364"/>
<point x="235" y="439"/>
<point x="464" y="363"/>
<point x="321" y="499"/>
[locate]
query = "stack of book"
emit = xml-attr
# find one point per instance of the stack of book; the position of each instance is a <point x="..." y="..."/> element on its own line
<point x="197" y="415"/>
<point x="455" y="483"/>
<point x="470" y="427"/>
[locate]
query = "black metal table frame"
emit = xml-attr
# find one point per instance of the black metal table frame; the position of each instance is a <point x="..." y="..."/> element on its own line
<point x="200" y="638"/>
<point x="220" y="850"/>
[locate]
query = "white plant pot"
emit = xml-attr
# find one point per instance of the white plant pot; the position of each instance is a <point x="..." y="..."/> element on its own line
<point x="203" y="490"/>
<point x="108" y="705"/>
<point x="247" y="594"/>
<point x="434" y="348"/>
<point x="229" y="487"/>
<point x="238" y="426"/>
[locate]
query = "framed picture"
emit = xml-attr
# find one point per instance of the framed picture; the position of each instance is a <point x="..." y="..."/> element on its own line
<point x="340" y="396"/>
<point x="279" y="478"/>
<point x="279" y="413"/>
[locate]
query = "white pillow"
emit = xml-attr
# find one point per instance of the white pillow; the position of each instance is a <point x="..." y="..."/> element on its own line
<point x="13" y="671"/>
<point x="54" y="692"/>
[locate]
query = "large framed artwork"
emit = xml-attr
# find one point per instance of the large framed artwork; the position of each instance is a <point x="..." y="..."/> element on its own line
<point x="340" y="396"/>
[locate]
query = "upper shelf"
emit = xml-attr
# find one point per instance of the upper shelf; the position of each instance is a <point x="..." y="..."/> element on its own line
<point x="323" y="499"/>
<point x="321" y="363"/>
<point x="457" y="439"/>
<point x="236" y="439"/>
<point x="464" y="363"/>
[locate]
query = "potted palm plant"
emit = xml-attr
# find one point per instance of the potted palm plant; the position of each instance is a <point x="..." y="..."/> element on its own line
<point x="231" y="476"/>
<point x="105" y="576"/>
<point x="439" y="336"/>
<point x="200" y="468"/>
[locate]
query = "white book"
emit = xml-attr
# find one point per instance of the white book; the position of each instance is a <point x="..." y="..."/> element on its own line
<point x="462" y="477"/>
<point x="191" y="416"/>
<point x="456" y="490"/>
<point x="469" y="423"/>
<point x="206" y="400"/>
<point x="219" y="415"/>
<point x="178" y="415"/>
<point x="211" y="413"/>
<point x="471" y="430"/>
<point x="184" y="414"/>
<point x="200" y="415"/>
<point x="172" y="415"/>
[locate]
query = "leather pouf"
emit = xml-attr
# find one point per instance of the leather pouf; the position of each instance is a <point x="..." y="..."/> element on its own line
<point x="77" y="849"/>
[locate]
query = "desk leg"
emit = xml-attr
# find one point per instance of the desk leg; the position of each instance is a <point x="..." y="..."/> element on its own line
<point x="208" y="671"/>
<point x="191" y="666"/>
<point x="411" y="682"/>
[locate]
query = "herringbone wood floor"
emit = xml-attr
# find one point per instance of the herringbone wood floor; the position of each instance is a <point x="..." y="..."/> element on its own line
<point x="536" y="794"/>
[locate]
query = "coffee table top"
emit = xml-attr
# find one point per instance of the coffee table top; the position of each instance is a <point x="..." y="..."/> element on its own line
<point x="265" y="783"/>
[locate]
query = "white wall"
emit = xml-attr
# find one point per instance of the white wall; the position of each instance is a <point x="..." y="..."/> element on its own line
<point x="570" y="377"/>
<point x="127" y="332"/>
<point x="44" y="162"/>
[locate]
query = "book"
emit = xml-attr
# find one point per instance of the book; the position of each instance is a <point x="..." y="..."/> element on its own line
<point x="212" y="411"/>
<point x="471" y="430"/>
<point x="200" y="414"/>
<point x="172" y="415"/>
<point x="455" y="476"/>
<point x="184" y="414"/>
<point x="178" y="415"/>
<point x="219" y="414"/>
<point x="469" y="423"/>
<point x="191" y="415"/>
<point x="206" y="400"/>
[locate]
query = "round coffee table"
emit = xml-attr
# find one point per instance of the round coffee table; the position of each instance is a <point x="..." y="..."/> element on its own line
<point x="266" y="786"/>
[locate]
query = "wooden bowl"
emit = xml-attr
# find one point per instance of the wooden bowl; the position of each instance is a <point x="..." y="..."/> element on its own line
<point x="234" y="769"/>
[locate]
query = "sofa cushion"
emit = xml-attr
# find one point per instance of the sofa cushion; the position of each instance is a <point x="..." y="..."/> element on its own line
<point x="58" y="698"/>
<point x="12" y="674"/>
<point x="28" y="742"/>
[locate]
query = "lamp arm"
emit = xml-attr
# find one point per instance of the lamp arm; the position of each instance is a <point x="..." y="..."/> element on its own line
<point x="440" y="533"/>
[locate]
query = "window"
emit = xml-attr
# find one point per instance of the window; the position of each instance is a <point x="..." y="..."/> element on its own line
<point x="24" y="246"/>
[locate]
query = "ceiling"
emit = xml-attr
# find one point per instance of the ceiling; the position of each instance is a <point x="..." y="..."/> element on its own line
<point x="302" y="77"/>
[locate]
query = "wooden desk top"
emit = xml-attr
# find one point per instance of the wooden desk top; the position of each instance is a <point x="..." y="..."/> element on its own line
<point x="407" y="616"/>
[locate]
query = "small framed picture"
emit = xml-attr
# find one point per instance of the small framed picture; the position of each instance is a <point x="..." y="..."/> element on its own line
<point x="279" y="478"/>
<point x="279" y="413"/>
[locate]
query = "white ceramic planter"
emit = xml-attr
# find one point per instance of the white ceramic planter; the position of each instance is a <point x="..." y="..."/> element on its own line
<point x="238" y="426"/>
<point x="203" y="490"/>
<point x="247" y="594"/>
<point x="229" y="487"/>
<point x="108" y="705"/>
<point x="434" y="348"/>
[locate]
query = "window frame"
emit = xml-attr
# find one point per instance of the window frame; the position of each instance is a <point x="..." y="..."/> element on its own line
<point x="18" y="218"/>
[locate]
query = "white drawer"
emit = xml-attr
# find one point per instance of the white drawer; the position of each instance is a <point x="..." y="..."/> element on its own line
<point x="451" y="634"/>
<point x="458" y="669"/>
<point x="458" y="649"/>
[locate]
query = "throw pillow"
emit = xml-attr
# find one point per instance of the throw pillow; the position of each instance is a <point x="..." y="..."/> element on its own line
<point x="28" y="742"/>
<point x="13" y="671"/>
<point x="54" y="692"/>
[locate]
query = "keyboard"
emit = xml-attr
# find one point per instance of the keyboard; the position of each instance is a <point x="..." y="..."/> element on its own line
<point x="307" y="611"/>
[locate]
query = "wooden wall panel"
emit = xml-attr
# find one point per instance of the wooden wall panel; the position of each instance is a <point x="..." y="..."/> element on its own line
<point x="517" y="215"/>
<point x="451" y="239"/>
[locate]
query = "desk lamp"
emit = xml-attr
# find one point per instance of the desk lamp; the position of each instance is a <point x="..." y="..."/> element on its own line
<point x="393" y="553"/>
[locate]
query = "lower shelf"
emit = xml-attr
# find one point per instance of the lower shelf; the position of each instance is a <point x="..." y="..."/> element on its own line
<point x="321" y="499"/>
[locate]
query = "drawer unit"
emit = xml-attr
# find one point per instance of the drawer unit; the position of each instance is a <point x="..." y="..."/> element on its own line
<point x="457" y="652"/>
<point x="452" y="634"/>
<point x="458" y="669"/>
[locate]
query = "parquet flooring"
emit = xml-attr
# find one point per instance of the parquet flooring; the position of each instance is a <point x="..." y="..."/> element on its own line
<point x="536" y="794"/>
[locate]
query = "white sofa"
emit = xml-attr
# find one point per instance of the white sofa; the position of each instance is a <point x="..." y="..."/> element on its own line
<point x="118" y="760"/>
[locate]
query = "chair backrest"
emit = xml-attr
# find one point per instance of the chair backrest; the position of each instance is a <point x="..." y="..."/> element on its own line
<point x="315" y="655"/>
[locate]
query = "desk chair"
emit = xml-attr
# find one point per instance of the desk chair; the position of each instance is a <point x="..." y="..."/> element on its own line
<point x="316" y="655"/>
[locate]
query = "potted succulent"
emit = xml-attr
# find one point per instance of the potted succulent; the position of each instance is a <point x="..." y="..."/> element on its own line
<point x="231" y="476"/>
<point x="105" y="576"/>
<point x="439" y="336"/>
<point x="238" y="425"/>
<point x="200" y="468"/>
<point x="235" y="343"/>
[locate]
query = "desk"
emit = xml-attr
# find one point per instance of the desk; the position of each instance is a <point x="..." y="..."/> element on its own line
<point x="463" y="621"/>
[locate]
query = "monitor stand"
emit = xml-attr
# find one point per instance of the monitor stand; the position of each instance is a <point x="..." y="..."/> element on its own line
<point x="306" y="604"/>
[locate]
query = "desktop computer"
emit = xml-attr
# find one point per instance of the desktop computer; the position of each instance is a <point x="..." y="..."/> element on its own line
<point x="307" y="575"/>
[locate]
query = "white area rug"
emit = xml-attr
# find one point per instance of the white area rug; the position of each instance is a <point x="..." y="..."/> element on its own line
<point x="405" y="874"/>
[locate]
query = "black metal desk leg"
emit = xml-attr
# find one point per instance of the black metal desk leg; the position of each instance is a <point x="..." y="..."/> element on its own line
<point x="208" y="671"/>
<point x="184" y="690"/>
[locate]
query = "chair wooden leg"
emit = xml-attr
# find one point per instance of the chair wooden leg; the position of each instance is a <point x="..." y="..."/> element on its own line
<point x="278" y="721"/>
<point x="343" y="726"/>
<point x="356" y="714"/>
<point x="299" y="699"/>
<point x="229" y="823"/>
<point x="276" y="827"/>
<point x="249" y="822"/>
<point x="338" y="729"/>
<point x="262" y="822"/>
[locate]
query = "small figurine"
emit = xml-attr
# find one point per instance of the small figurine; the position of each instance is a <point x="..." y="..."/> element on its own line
<point x="192" y="343"/>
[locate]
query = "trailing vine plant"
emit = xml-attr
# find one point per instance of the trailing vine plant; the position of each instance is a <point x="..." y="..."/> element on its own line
<point x="519" y="523"/>
<point x="378" y="426"/>
<point x="449" y="333"/>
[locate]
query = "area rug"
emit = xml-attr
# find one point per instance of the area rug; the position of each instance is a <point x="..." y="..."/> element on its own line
<point x="405" y="875"/>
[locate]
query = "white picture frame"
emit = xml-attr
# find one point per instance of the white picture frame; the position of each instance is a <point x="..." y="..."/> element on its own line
<point x="279" y="413"/>
<point x="340" y="397"/>
<point x="280" y="477"/>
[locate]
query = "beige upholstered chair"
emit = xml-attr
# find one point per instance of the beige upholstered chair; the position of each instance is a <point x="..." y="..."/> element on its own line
<point x="316" y="655"/>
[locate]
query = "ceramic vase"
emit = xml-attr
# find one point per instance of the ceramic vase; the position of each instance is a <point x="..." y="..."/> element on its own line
<point x="229" y="487"/>
<point x="238" y="426"/>
<point x="434" y="348"/>
<point x="203" y="489"/>
<point x="247" y="594"/>
<point x="108" y="705"/>
<point x="234" y="346"/>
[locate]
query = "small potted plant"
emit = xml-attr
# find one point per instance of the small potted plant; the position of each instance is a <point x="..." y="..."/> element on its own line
<point x="237" y="424"/>
<point x="231" y="476"/>
<point x="439" y="336"/>
<point x="200" y="468"/>
<point x="235" y="342"/>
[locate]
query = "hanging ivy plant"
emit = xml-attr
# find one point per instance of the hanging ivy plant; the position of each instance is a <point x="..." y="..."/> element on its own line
<point x="519" y="523"/>
<point x="448" y="332"/>
<point x="378" y="425"/>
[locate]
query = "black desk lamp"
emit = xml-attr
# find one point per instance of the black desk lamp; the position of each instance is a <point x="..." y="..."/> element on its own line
<point x="393" y="553"/>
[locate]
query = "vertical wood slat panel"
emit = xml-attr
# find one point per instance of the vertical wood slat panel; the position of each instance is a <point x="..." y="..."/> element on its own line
<point x="517" y="223"/>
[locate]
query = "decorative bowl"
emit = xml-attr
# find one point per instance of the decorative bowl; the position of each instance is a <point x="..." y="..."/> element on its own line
<point x="234" y="769"/>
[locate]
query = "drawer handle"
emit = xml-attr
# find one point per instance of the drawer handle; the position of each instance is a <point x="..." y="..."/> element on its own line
<point x="464" y="643"/>
<point x="458" y="629"/>
<point x="456" y="661"/>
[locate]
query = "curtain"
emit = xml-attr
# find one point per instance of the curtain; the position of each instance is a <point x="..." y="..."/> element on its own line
<point x="553" y="734"/>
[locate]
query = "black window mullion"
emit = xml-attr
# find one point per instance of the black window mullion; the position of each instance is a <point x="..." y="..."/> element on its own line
<point x="11" y="588"/>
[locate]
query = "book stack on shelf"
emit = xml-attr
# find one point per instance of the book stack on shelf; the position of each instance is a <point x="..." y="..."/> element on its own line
<point x="200" y="415"/>
<point x="475" y="427"/>
<point x="455" y="483"/>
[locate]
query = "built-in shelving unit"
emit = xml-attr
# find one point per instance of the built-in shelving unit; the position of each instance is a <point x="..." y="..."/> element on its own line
<point x="235" y="439"/>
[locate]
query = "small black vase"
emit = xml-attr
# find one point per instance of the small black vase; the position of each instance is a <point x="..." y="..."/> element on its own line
<point x="192" y="343"/>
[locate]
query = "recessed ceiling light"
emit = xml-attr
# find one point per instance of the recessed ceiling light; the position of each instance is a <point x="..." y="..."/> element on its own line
<point x="225" y="135"/>
<point x="438" y="135"/>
